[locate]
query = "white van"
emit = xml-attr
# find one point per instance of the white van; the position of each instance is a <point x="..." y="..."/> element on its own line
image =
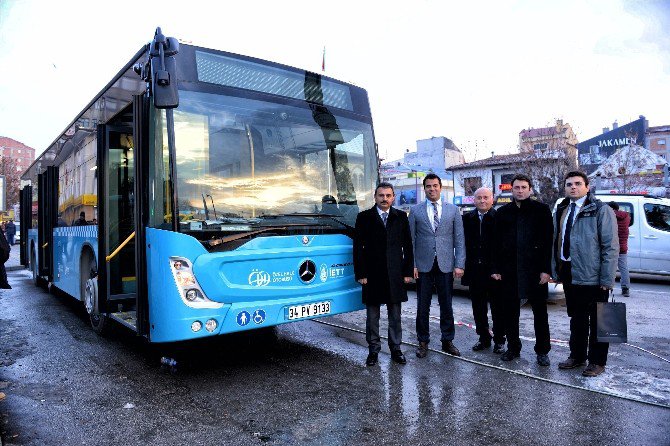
<point x="649" y="237"/>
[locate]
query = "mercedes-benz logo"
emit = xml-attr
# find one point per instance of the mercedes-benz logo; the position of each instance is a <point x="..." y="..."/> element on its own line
<point x="307" y="271"/>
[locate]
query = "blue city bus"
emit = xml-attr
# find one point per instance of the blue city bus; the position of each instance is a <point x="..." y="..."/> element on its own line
<point x="202" y="193"/>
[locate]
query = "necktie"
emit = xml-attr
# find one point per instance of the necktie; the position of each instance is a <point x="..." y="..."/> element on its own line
<point x="568" y="229"/>
<point x="481" y="219"/>
<point x="436" y="217"/>
<point x="385" y="215"/>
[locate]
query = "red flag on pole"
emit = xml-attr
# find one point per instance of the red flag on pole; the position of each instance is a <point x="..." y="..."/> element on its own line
<point x="323" y="60"/>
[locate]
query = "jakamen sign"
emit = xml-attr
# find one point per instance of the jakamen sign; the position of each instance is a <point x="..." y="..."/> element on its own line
<point x="595" y="151"/>
<point x="615" y="142"/>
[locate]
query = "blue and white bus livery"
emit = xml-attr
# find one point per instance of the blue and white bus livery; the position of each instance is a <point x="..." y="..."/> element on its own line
<point x="218" y="193"/>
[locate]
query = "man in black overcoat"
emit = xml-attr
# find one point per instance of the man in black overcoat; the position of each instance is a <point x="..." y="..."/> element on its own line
<point x="4" y="256"/>
<point x="522" y="262"/>
<point x="383" y="264"/>
<point x="478" y="226"/>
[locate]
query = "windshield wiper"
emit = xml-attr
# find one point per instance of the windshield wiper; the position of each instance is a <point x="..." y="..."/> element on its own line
<point x="213" y="207"/>
<point x="232" y="238"/>
<point x="313" y="215"/>
<point x="204" y="203"/>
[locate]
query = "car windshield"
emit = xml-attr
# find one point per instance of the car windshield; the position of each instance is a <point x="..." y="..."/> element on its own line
<point x="243" y="161"/>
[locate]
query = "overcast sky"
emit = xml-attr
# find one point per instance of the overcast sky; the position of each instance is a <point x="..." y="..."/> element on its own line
<point x="476" y="72"/>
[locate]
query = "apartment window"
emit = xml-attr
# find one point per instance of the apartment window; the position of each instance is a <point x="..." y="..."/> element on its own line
<point x="540" y="146"/>
<point x="661" y="142"/>
<point x="471" y="185"/>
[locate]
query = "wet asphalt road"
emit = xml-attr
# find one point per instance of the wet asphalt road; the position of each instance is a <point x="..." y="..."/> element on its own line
<point x="308" y="385"/>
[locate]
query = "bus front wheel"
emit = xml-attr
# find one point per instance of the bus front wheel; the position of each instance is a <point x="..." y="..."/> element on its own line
<point x="98" y="320"/>
<point x="89" y="291"/>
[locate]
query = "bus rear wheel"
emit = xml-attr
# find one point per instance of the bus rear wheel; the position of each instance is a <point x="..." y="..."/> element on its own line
<point x="33" y="265"/>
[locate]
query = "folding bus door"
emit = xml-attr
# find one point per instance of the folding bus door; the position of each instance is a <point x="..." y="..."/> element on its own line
<point x="116" y="243"/>
<point x="47" y="183"/>
<point x="25" y="221"/>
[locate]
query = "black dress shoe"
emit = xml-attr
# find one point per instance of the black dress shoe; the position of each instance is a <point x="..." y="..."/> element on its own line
<point x="397" y="356"/>
<point x="499" y="348"/>
<point x="422" y="351"/>
<point x="509" y="355"/>
<point x="372" y="359"/>
<point x="481" y="346"/>
<point x="6" y="287"/>
<point x="449" y="347"/>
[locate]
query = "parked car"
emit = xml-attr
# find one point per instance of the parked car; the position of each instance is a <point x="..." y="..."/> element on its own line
<point x="649" y="238"/>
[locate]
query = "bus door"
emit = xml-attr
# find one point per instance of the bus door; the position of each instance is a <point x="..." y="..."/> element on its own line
<point x="47" y="183"/>
<point x="116" y="183"/>
<point x="25" y="221"/>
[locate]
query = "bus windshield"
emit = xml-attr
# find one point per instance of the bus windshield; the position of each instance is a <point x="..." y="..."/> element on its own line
<point x="242" y="161"/>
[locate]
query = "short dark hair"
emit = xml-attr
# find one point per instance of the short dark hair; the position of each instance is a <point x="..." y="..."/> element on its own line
<point x="384" y="185"/>
<point x="432" y="176"/>
<point x="614" y="205"/>
<point x="576" y="173"/>
<point x="522" y="177"/>
<point x="82" y="214"/>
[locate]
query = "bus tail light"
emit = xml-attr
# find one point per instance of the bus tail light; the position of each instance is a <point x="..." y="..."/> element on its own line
<point x="188" y="286"/>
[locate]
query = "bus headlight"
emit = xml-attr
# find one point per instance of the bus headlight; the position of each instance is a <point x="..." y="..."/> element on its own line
<point x="196" y="326"/>
<point x="210" y="325"/>
<point x="189" y="289"/>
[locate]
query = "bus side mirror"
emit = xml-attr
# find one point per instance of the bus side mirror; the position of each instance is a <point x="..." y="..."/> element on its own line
<point x="164" y="71"/>
<point x="164" y="83"/>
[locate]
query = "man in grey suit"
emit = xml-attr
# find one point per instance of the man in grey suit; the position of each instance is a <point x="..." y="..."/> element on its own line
<point x="439" y="256"/>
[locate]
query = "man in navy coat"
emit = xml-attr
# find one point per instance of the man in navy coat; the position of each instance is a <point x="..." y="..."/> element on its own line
<point x="383" y="261"/>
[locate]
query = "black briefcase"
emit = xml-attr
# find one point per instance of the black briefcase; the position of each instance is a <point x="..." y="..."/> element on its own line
<point x="611" y="320"/>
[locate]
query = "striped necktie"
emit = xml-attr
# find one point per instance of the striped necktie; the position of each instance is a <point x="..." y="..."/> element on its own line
<point x="385" y="215"/>
<point x="436" y="217"/>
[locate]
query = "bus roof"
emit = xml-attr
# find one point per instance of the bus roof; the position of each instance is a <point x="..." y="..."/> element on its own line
<point x="118" y="93"/>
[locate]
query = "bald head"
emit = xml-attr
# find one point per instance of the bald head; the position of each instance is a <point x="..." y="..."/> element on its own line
<point x="483" y="199"/>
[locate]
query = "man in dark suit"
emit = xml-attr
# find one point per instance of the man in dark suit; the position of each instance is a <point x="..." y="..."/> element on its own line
<point x="439" y="257"/>
<point x="478" y="226"/>
<point x="522" y="262"/>
<point x="383" y="262"/>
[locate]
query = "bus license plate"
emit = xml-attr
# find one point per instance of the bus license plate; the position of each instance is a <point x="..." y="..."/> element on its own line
<point x="308" y="310"/>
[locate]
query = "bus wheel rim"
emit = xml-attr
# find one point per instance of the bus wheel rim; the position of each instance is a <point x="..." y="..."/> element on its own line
<point x="89" y="298"/>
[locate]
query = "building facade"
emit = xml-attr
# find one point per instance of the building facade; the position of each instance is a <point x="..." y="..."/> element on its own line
<point x="19" y="152"/>
<point x="558" y="137"/>
<point x="658" y="141"/>
<point x="545" y="168"/>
